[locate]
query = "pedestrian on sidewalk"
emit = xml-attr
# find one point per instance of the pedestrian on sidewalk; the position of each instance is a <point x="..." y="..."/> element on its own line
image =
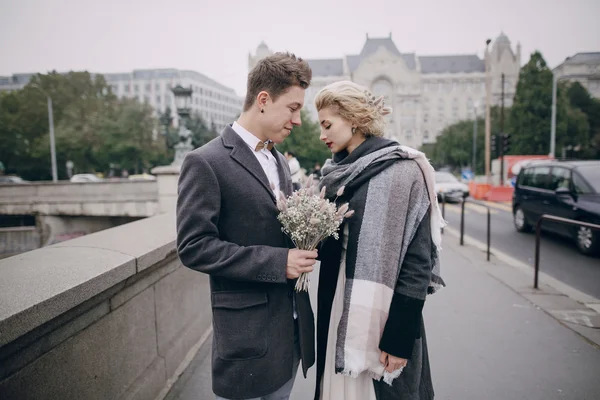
<point x="227" y="227"/>
<point x="294" y="169"/>
<point x="373" y="281"/>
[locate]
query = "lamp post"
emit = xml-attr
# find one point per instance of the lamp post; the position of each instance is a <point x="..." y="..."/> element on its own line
<point x="555" y="80"/>
<point x="474" y="165"/>
<point x="488" y="122"/>
<point x="183" y="97"/>
<point x="51" y="128"/>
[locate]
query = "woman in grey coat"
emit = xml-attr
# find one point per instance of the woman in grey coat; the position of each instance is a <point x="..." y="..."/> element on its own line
<point x="373" y="282"/>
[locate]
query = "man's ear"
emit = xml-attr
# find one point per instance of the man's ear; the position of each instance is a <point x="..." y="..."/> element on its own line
<point x="262" y="99"/>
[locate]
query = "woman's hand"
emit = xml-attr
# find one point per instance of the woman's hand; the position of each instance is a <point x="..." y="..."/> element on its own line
<point x="392" y="363"/>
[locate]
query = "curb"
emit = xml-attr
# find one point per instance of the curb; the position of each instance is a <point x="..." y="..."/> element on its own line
<point x="572" y="308"/>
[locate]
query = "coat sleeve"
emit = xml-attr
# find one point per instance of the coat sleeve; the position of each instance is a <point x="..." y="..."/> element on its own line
<point x="404" y="320"/>
<point x="198" y="243"/>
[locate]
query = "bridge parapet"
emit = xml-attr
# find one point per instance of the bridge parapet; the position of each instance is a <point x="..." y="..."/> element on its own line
<point x="111" y="315"/>
<point x="110" y="199"/>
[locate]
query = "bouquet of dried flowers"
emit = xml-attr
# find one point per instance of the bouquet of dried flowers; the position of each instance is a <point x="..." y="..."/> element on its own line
<point x="307" y="217"/>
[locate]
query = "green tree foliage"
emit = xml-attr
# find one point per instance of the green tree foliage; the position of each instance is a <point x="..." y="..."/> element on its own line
<point x="585" y="106"/>
<point x="528" y="121"/>
<point x="121" y="134"/>
<point x="531" y="114"/>
<point x="304" y="142"/>
<point x="201" y="132"/>
<point x="93" y="128"/>
<point x="454" y="147"/>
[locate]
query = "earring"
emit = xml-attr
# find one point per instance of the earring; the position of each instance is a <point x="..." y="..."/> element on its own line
<point x="262" y="110"/>
<point x="353" y="130"/>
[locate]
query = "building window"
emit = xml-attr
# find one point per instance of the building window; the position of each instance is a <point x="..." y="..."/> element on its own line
<point x="382" y="87"/>
<point x="157" y="87"/>
<point x="126" y="88"/>
<point x="148" y="87"/>
<point x="158" y="99"/>
<point x="426" y="135"/>
<point x="146" y="99"/>
<point x="136" y="88"/>
<point x="425" y="118"/>
<point x="409" y="134"/>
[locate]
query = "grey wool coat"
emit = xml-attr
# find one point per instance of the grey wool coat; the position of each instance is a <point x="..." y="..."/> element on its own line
<point x="227" y="227"/>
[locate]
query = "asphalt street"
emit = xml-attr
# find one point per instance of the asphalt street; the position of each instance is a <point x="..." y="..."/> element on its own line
<point x="558" y="256"/>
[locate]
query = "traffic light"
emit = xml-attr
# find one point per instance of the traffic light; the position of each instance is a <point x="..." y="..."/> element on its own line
<point x="505" y="143"/>
<point x="493" y="145"/>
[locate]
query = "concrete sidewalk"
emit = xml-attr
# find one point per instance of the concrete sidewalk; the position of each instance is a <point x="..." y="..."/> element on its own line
<point x="487" y="340"/>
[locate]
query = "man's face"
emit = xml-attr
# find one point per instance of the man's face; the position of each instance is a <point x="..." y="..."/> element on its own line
<point x="282" y="115"/>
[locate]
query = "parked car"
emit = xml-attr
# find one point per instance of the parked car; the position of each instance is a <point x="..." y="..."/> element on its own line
<point x="142" y="177"/>
<point x="448" y="186"/>
<point x="11" y="179"/>
<point x="567" y="189"/>
<point x="85" y="178"/>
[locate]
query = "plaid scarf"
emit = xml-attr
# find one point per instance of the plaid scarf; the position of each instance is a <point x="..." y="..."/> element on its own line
<point x="388" y="214"/>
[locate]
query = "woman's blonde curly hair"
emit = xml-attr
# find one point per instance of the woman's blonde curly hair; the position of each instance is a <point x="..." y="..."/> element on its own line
<point x="356" y="104"/>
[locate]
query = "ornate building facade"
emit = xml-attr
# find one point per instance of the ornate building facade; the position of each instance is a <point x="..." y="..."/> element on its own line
<point x="427" y="93"/>
<point x="582" y="67"/>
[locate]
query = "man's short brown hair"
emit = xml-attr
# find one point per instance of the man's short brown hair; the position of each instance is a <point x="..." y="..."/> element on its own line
<point x="275" y="74"/>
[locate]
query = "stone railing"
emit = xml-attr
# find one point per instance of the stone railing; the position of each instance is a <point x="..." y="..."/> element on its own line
<point x="111" y="315"/>
<point x="18" y="239"/>
<point x="124" y="198"/>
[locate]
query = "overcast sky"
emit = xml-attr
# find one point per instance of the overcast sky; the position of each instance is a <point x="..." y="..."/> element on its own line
<point x="214" y="37"/>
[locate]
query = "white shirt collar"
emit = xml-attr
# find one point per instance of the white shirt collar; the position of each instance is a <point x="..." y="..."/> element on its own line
<point x="246" y="136"/>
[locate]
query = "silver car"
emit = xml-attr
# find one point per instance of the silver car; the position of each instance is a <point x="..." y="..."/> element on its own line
<point x="450" y="188"/>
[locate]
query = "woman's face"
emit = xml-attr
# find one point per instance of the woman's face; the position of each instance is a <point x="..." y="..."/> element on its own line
<point x="336" y="132"/>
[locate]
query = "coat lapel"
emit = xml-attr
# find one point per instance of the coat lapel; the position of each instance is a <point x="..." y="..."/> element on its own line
<point x="242" y="154"/>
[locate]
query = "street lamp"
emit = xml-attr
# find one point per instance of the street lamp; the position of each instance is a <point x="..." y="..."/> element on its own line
<point x="183" y="100"/>
<point x="475" y="107"/>
<point x="488" y="121"/>
<point x="51" y="125"/>
<point x="555" y="80"/>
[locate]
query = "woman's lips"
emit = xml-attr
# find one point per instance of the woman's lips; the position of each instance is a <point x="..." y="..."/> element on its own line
<point x="329" y="144"/>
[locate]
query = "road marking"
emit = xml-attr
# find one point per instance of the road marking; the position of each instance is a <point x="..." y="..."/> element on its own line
<point x="499" y="206"/>
<point x="469" y="206"/>
<point x="455" y="209"/>
<point x="479" y="209"/>
<point x="579" y="317"/>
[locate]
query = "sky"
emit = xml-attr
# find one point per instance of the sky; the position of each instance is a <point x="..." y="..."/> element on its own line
<point x="214" y="37"/>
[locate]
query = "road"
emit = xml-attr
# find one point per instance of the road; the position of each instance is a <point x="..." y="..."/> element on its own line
<point x="559" y="257"/>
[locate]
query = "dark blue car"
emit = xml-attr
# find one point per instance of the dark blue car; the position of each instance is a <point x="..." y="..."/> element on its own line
<point x="567" y="189"/>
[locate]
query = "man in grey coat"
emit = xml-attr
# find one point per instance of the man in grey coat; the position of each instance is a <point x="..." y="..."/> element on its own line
<point x="227" y="227"/>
